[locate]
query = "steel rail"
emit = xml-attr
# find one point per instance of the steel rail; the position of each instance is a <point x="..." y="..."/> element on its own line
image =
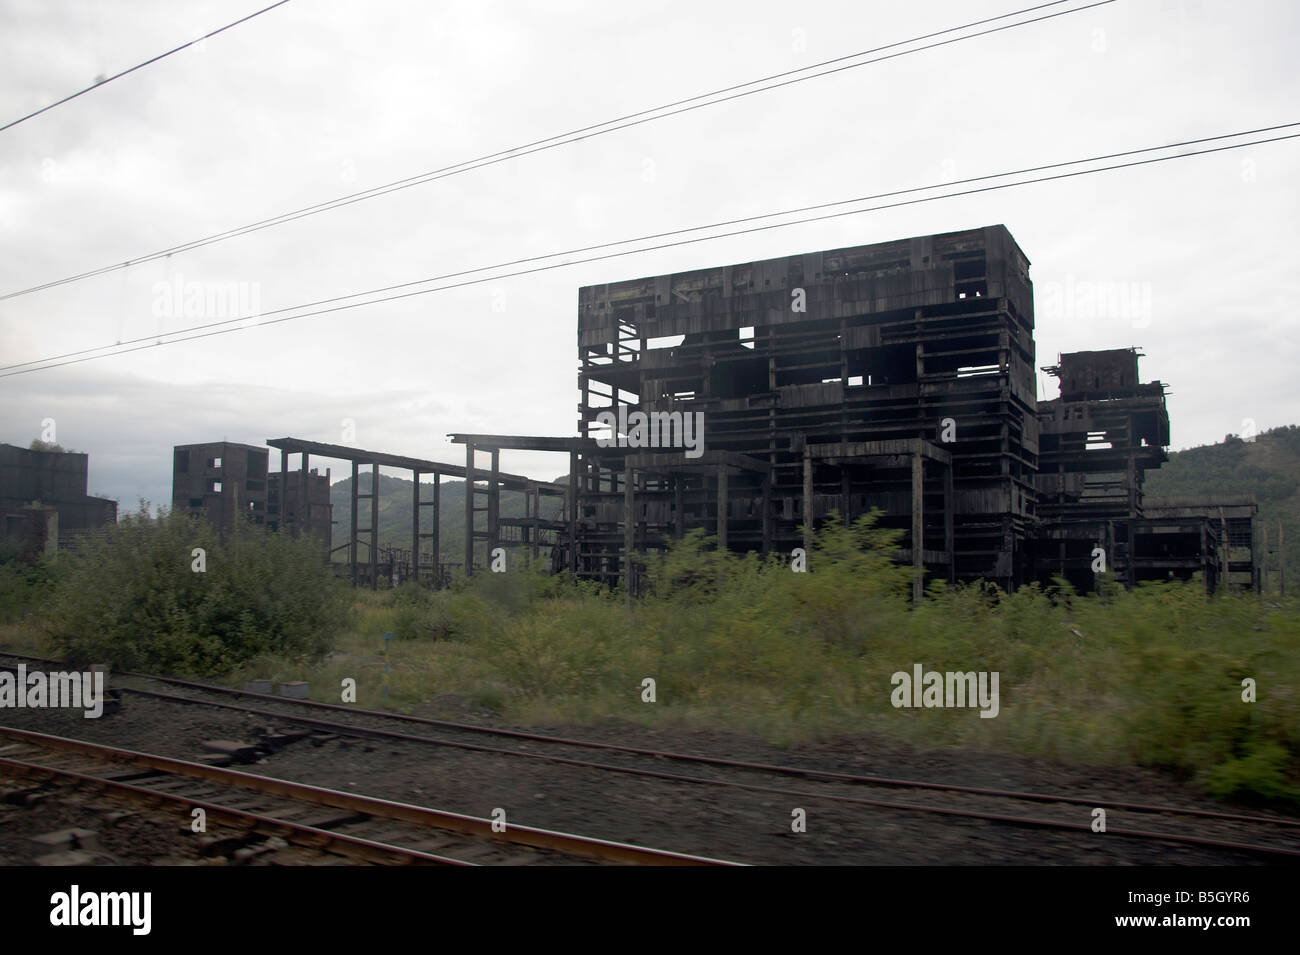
<point x="298" y="834"/>
<point x="345" y="729"/>
<point x="601" y="849"/>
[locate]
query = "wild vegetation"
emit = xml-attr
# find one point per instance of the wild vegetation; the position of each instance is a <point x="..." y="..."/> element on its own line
<point x="1149" y="677"/>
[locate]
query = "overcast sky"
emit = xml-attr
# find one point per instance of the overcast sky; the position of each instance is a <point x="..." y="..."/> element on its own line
<point x="320" y="98"/>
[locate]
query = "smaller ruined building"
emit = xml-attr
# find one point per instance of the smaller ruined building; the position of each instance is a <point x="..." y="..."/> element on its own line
<point x="43" y="499"/>
<point x="221" y="479"/>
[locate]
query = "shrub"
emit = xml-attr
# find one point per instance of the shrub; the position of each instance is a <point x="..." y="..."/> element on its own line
<point x="130" y="597"/>
<point x="25" y="586"/>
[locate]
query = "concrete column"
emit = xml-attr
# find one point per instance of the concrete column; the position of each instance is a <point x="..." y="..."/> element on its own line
<point x="415" y="525"/>
<point x="494" y="502"/>
<point x="846" y="515"/>
<point x="679" y="506"/>
<point x="352" y="541"/>
<point x="374" y="526"/>
<point x="537" y="527"/>
<point x="304" y="503"/>
<point x="918" y="527"/>
<point x="767" y="513"/>
<point x="284" y="491"/>
<point x="629" y="526"/>
<point x="722" y="507"/>
<point x="807" y="500"/>
<point x="949" y="504"/>
<point x="573" y="513"/>
<point x="469" y="510"/>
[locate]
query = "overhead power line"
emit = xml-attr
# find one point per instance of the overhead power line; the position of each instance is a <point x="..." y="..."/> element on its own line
<point x="140" y="66"/>
<point x="713" y="98"/>
<point x="237" y="324"/>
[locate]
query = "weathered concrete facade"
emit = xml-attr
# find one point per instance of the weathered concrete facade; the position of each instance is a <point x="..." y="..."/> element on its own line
<point x="221" y="480"/>
<point x="43" y="499"/>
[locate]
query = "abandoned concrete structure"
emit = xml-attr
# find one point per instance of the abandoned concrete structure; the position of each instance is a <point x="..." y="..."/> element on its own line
<point x="897" y="376"/>
<point x="43" y="499"/>
<point x="221" y="479"/>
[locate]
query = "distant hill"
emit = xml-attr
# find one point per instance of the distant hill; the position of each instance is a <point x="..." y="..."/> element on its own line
<point x="1267" y="467"/>
<point x="395" y="506"/>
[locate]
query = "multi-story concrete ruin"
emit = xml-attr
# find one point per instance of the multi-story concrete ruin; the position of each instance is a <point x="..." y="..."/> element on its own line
<point x="898" y="376"/>
<point x="43" y="499"/>
<point x="220" y="480"/>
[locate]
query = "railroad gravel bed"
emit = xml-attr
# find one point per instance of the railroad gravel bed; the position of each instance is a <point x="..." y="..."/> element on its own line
<point x="705" y="820"/>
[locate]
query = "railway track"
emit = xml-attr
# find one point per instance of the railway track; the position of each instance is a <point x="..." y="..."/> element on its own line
<point x="1253" y="836"/>
<point x="361" y="828"/>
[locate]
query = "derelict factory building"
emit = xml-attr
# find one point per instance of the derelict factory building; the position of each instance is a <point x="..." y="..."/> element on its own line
<point x="898" y="376"/>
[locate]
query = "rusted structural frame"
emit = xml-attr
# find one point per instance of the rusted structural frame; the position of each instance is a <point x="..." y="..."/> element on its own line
<point x="375" y="460"/>
<point x="916" y="452"/>
<point x="1232" y="553"/>
<point x="532" y="526"/>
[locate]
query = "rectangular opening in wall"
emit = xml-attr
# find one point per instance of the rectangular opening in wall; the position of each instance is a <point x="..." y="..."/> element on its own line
<point x="976" y="371"/>
<point x="668" y="341"/>
<point x="746" y="335"/>
<point x="214" y="487"/>
<point x="214" y="462"/>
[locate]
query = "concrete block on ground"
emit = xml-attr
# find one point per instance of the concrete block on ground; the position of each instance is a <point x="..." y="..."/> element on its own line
<point x="68" y="857"/>
<point x="68" y="838"/>
<point x="257" y="686"/>
<point x="294" y="690"/>
<point x="231" y="748"/>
